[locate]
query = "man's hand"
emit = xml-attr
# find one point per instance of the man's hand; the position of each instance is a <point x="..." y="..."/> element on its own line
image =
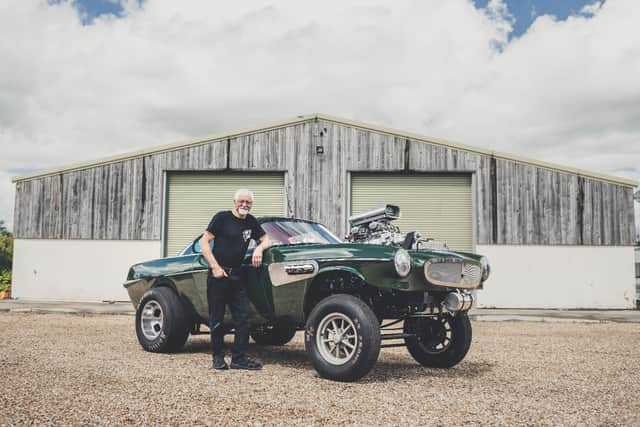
<point x="205" y="247"/>
<point x="219" y="273"/>
<point x="256" y="260"/>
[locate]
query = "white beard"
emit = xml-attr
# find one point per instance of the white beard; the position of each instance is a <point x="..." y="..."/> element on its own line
<point x="243" y="211"/>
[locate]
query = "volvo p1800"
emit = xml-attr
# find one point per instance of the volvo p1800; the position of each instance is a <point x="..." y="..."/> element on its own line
<point x="379" y="288"/>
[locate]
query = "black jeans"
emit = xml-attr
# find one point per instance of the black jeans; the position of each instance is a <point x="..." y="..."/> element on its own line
<point x="231" y="291"/>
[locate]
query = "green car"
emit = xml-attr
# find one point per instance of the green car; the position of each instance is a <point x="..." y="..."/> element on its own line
<point x="379" y="289"/>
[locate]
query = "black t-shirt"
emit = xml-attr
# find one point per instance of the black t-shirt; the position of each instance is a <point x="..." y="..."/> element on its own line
<point x="232" y="236"/>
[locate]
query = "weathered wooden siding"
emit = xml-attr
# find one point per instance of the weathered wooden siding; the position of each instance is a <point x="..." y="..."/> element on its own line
<point x="117" y="201"/>
<point x="536" y="206"/>
<point x="608" y="214"/>
<point x="77" y="201"/>
<point x="317" y="183"/>
<point x="346" y="149"/>
<point x="486" y="197"/>
<point x="275" y="150"/>
<point x="515" y="203"/>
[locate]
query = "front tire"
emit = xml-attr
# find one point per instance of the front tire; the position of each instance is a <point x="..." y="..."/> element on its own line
<point x="439" y="342"/>
<point x="342" y="338"/>
<point x="162" y="321"/>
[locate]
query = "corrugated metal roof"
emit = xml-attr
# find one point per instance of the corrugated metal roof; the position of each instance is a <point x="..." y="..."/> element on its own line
<point x="318" y="116"/>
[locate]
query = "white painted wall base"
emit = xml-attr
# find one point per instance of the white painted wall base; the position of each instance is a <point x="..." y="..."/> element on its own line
<point x="522" y="276"/>
<point x="559" y="277"/>
<point x="76" y="270"/>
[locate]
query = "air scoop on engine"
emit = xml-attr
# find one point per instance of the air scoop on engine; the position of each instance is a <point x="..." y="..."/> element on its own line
<point x="374" y="226"/>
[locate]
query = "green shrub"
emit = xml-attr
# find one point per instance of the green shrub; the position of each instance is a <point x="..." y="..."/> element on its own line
<point x="6" y="251"/>
<point x="5" y="279"/>
<point x="6" y="256"/>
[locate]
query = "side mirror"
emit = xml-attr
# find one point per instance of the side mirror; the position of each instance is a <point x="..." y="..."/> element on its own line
<point x="195" y="245"/>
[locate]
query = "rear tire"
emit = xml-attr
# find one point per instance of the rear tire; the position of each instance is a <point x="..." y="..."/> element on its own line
<point x="280" y="333"/>
<point x="440" y="342"/>
<point x="162" y="321"/>
<point x="342" y="338"/>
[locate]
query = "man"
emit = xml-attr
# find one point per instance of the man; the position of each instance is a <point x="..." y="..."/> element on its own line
<point x="226" y="282"/>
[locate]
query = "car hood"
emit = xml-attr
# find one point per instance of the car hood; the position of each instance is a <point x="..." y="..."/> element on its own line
<point x="356" y="251"/>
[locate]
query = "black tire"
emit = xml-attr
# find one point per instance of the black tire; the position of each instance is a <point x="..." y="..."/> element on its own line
<point x="280" y="333"/>
<point x="162" y="321"/>
<point x="349" y="314"/>
<point x="440" y="342"/>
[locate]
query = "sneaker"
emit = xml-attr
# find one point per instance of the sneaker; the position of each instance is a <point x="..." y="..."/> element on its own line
<point x="219" y="363"/>
<point x="245" y="363"/>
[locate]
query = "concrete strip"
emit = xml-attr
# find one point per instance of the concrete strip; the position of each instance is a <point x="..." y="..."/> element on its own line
<point x="477" y="314"/>
<point x="550" y="315"/>
<point x="480" y="317"/>
<point x="21" y="305"/>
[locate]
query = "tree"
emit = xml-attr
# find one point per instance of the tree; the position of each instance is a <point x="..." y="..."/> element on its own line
<point x="3" y="228"/>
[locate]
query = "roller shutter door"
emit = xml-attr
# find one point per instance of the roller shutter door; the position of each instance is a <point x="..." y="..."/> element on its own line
<point x="193" y="198"/>
<point x="438" y="206"/>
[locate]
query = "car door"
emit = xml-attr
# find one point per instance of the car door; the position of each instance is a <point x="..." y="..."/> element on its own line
<point x="258" y="287"/>
<point x="259" y="294"/>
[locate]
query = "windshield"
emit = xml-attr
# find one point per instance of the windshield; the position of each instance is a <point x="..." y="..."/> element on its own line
<point x="188" y="250"/>
<point x="282" y="232"/>
<point x="291" y="232"/>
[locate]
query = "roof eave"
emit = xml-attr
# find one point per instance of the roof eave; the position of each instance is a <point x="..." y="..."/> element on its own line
<point x="318" y="116"/>
<point x="161" y="149"/>
<point x="477" y="150"/>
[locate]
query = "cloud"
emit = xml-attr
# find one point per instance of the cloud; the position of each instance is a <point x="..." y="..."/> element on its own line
<point x="499" y="15"/>
<point x="591" y="9"/>
<point x="565" y="91"/>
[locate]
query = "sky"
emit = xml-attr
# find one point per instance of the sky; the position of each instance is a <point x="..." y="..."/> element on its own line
<point x="555" y="81"/>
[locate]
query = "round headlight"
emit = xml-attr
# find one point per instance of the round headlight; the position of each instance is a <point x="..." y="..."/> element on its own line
<point x="402" y="262"/>
<point x="486" y="269"/>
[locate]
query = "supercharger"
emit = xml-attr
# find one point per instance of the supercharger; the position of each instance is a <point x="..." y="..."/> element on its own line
<point x="375" y="226"/>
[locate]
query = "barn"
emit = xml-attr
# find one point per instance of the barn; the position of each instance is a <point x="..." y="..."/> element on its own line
<point x="556" y="237"/>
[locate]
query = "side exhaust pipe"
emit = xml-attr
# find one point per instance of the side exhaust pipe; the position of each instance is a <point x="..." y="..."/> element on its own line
<point x="457" y="301"/>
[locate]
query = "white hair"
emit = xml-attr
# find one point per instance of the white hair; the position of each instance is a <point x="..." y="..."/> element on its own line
<point x="243" y="192"/>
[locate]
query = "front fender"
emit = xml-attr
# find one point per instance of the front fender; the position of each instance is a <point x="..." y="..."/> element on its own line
<point x="375" y="272"/>
<point x="341" y="268"/>
<point x="136" y="288"/>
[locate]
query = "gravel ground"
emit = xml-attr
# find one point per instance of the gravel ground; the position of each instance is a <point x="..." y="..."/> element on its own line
<point x="67" y="369"/>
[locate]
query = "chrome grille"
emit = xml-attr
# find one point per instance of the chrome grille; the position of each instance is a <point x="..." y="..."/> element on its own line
<point x="445" y="272"/>
<point x="452" y="272"/>
<point x="471" y="274"/>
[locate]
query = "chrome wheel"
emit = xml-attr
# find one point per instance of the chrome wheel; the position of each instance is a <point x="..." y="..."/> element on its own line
<point x="151" y="320"/>
<point x="337" y="339"/>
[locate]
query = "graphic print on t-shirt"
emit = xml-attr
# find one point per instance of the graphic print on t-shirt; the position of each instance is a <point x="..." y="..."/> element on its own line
<point x="232" y="235"/>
